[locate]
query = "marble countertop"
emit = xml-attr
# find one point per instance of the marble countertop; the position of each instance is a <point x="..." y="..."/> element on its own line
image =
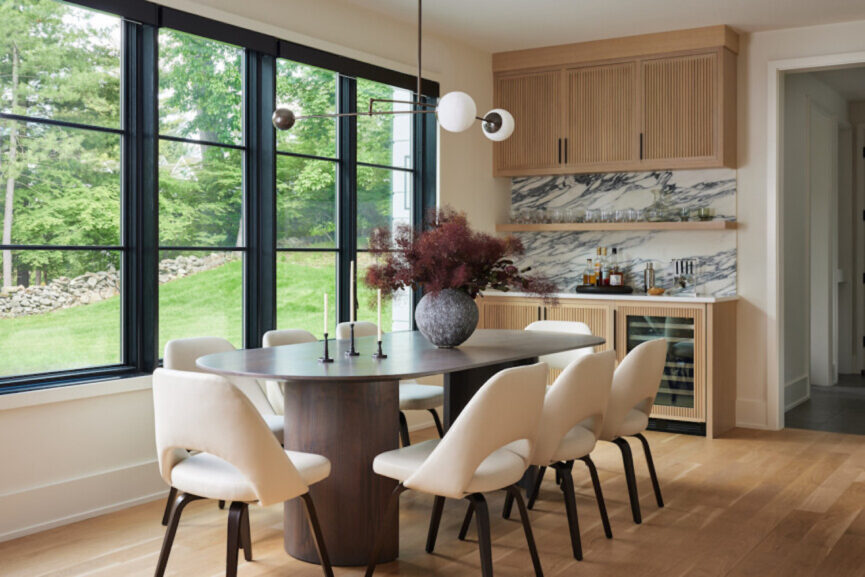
<point x="631" y="297"/>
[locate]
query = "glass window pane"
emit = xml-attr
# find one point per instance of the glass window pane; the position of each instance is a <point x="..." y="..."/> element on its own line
<point x="305" y="203"/>
<point x="62" y="312"/>
<point x="200" y="88"/>
<point x="384" y="139"/>
<point x="59" y="61"/>
<point x="384" y="199"/>
<point x="307" y="90"/>
<point x="65" y="184"/>
<point x="200" y="195"/>
<point x="302" y="278"/>
<point x="200" y="294"/>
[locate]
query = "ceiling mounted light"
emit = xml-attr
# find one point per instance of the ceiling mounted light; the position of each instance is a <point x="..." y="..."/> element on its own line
<point x="456" y="111"/>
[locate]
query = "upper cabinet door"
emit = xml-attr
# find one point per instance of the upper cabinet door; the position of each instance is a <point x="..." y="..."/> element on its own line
<point x="534" y="100"/>
<point x="602" y="117"/>
<point x="681" y="103"/>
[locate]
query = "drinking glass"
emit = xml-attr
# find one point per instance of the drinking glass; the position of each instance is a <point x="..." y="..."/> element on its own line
<point x="592" y="215"/>
<point x="607" y="215"/>
<point x="620" y="215"/>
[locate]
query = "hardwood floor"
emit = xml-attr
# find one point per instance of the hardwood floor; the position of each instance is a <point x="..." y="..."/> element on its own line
<point x="753" y="503"/>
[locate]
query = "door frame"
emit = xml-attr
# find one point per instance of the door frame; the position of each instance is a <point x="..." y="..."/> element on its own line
<point x="775" y="226"/>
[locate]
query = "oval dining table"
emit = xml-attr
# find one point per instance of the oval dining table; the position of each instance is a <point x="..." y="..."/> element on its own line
<point x="348" y="411"/>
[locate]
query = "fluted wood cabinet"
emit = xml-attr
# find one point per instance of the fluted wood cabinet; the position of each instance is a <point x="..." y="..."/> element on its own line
<point x="699" y="381"/>
<point x="653" y="102"/>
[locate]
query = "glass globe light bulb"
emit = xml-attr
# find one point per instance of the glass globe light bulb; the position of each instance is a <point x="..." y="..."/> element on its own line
<point x="456" y="111"/>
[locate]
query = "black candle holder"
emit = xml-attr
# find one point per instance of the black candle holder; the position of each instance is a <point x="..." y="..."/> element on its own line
<point x="379" y="354"/>
<point x="326" y="358"/>
<point x="352" y="352"/>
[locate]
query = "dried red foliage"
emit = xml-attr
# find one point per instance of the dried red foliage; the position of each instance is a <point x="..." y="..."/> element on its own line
<point x="449" y="254"/>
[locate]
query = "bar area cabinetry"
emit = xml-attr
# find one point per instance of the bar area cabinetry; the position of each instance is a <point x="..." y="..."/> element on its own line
<point x="698" y="389"/>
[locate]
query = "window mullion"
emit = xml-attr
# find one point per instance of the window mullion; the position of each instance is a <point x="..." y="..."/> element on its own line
<point x="347" y="192"/>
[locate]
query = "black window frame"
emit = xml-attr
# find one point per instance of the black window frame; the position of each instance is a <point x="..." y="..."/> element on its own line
<point x="139" y="245"/>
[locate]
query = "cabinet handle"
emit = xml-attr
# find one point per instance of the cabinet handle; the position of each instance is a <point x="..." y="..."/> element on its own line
<point x="641" y="146"/>
<point x="566" y="151"/>
<point x="539" y="313"/>
<point x="560" y="151"/>
<point x="545" y="313"/>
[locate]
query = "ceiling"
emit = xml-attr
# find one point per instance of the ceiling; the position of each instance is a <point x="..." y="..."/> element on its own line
<point x="848" y="82"/>
<point x="498" y="25"/>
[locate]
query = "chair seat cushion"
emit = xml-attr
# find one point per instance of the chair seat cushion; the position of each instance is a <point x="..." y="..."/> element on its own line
<point x="209" y="476"/>
<point x="502" y="468"/>
<point x="417" y="397"/>
<point x="577" y="443"/>
<point x="276" y="423"/>
<point x="635" y="422"/>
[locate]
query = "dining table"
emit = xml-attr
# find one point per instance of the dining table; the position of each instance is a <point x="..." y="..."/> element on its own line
<point x="348" y="411"/>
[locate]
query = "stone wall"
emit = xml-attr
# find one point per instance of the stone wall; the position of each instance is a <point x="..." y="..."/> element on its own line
<point x="91" y="287"/>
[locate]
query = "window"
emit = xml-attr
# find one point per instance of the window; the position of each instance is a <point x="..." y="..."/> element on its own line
<point x="60" y="170"/>
<point x="201" y="236"/>
<point x="145" y="196"/>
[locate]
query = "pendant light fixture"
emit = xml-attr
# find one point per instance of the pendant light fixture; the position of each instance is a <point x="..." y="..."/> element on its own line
<point x="456" y="111"/>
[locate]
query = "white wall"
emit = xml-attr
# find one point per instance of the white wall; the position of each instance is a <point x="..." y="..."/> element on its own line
<point x="801" y="92"/>
<point x="848" y="219"/>
<point x="80" y="451"/>
<point x="758" y="339"/>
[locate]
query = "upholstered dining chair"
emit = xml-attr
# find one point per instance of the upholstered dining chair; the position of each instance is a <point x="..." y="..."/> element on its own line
<point x="570" y="425"/>
<point x="413" y="396"/>
<point x="635" y="384"/>
<point x="565" y="358"/>
<point x="181" y="354"/>
<point x="486" y="449"/>
<point x="237" y="459"/>
<point x="279" y="338"/>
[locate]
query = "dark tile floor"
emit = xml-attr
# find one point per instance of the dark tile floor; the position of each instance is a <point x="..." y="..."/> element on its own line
<point x="838" y="409"/>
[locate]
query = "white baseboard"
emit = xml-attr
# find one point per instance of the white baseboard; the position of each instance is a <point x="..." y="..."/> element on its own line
<point x="796" y="392"/>
<point x="40" y="508"/>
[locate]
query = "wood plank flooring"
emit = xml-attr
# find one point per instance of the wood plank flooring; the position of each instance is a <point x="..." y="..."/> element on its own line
<point x="754" y="503"/>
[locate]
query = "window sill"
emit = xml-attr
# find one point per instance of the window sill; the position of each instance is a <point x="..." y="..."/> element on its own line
<point x="72" y="390"/>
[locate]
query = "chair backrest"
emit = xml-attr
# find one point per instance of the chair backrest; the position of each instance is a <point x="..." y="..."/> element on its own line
<point x="504" y="412"/>
<point x="361" y="329"/>
<point x="563" y="359"/>
<point x="181" y="354"/>
<point x="277" y="338"/>
<point x="635" y="384"/>
<point x="578" y="396"/>
<point x="204" y="412"/>
<point x="284" y="337"/>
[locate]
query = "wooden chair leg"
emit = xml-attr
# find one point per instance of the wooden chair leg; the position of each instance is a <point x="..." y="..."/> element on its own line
<point x="172" y="495"/>
<point x="599" y="495"/>
<point x="631" y="478"/>
<point x="649" y="461"/>
<point x="508" y="507"/>
<point x="438" y="422"/>
<point x="403" y="430"/>
<point x="245" y="534"/>
<point x="467" y="521"/>
<point x="315" y="528"/>
<point x="392" y="505"/>
<point x="485" y="544"/>
<point x="537" y="488"/>
<point x="235" y="520"/>
<point x="567" y="487"/>
<point x="179" y="505"/>
<point x="527" y="528"/>
<point x="435" y="520"/>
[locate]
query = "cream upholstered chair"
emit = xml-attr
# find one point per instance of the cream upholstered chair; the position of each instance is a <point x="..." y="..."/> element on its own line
<point x="181" y="354"/>
<point x="570" y="425"/>
<point x="279" y="338"/>
<point x="563" y="359"/>
<point x="237" y="459"/>
<point x="413" y="396"/>
<point x="635" y="384"/>
<point x="486" y="449"/>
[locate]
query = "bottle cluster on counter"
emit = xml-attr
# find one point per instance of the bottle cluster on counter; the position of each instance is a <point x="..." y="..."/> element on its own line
<point x="603" y="272"/>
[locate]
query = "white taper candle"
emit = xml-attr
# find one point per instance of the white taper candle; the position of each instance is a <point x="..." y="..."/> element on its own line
<point x="351" y="293"/>
<point x="325" y="313"/>
<point x="379" y="314"/>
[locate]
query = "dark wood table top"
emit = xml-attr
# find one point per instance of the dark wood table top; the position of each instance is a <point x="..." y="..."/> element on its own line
<point x="410" y="355"/>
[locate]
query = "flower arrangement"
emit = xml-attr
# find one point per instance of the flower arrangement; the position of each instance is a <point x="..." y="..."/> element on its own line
<point x="448" y="254"/>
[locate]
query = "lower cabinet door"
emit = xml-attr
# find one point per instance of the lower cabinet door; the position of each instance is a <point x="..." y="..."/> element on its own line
<point x="507" y="313"/>
<point x="682" y="394"/>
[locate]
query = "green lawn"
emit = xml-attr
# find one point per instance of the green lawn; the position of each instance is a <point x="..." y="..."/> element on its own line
<point x="204" y="304"/>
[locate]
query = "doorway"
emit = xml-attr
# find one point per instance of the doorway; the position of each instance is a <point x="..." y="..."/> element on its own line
<point x="821" y="204"/>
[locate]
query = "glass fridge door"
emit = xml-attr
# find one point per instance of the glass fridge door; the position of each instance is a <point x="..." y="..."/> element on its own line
<point x="678" y="383"/>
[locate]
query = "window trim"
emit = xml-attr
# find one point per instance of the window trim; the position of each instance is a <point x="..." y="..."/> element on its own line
<point x="139" y="131"/>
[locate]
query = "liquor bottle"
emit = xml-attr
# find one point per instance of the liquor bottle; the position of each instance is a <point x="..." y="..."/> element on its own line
<point x="589" y="273"/>
<point x="599" y="264"/>
<point x="617" y="277"/>
<point x="605" y="269"/>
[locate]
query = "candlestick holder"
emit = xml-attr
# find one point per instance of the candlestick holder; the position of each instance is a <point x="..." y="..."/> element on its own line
<point x="326" y="358"/>
<point x="352" y="352"/>
<point x="379" y="354"/>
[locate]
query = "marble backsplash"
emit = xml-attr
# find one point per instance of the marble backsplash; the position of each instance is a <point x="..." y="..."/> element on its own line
<point x="562" y="256"/>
